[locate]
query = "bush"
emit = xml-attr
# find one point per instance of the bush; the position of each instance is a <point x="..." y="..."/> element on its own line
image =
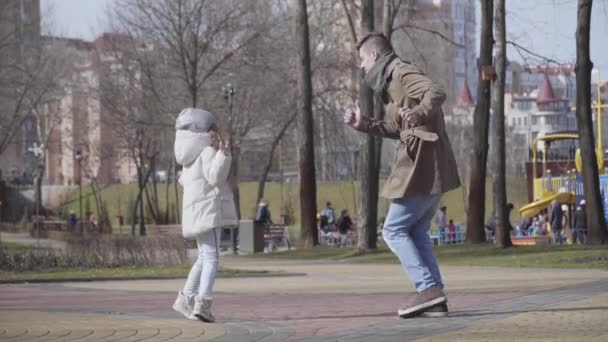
<point x="99" y="251"/>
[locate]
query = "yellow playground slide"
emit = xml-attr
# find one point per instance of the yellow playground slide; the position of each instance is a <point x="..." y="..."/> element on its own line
<point x="534" y="208"/>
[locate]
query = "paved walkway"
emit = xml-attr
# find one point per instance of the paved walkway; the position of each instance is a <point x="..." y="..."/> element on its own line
<point x="332" y="302"/>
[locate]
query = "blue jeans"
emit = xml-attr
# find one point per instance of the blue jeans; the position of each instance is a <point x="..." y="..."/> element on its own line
<point x="406" y="233"/>
<point x="557" y="237"/>
<point x="202" y="274"/>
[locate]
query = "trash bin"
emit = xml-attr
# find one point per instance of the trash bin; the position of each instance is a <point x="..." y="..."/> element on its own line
<point x="251" y="237"/>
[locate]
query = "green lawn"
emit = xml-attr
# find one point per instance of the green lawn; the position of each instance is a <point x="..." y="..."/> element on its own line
<point x="343" y="195"/>
<point x="125" y="272"/>
<point x="595" y="257"/>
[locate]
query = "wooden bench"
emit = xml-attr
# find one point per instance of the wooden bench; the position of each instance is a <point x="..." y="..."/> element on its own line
<point x="276" y="232"/>
<point x="531" y="241"/>
<point x="164" y="229"/>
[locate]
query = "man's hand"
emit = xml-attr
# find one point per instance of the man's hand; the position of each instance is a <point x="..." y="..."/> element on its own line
<point x="352" y="117"/>
<point x="412" y="116"/>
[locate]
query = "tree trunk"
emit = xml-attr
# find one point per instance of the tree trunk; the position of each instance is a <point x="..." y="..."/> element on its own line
<point x="134" y="214"/>
<point x="142" y="184"/>
<point x="308" y="190"/>
<point x="234" y="178"/>
<point x="38" y="200"/>
<point x="503" y="230"/>
<point x="142" y="226"/>
<point x="167" y="189"/>
<point x="596" y="224"/>
<point x="157" y="213"/>
<point x="176" y="190"/>
<point x="481" y="122"/>
<point x="368" y="212"/>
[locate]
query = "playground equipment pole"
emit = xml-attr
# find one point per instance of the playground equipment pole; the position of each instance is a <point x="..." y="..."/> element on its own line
<point x="599" y="114"/>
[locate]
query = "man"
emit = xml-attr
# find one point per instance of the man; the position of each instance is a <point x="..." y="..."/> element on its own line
<point x="579" y="233"/>
<point x="556" y="222"/>
<point x="424" y="168"/>
<point x="492" y="221"/>
<point x="344" y="226"/>
<point x="262" y="214"/>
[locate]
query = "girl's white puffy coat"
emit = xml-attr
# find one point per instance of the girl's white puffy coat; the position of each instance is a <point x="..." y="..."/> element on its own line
<point x="208" y="201"/>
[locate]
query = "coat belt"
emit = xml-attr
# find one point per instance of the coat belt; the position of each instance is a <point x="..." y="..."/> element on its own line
<point x="417" y="132"/>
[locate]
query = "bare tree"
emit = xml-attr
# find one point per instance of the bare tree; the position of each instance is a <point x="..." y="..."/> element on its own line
<point x="503" y="231"/>
<point x="273" y="146"/>
<point x="368" y="195"/>
<point x="596" y="223"/>
<point x="26" y="80"/>
<point x="195" y="40"/>
<point x="481" y="120"/>
<point x="308" y="189"/>
<point x="52" y="67"/>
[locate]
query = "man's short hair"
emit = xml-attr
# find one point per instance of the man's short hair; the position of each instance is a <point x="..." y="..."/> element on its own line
<point x="376" y="41"/>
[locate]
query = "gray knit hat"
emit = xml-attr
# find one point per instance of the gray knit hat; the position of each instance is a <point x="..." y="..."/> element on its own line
<point x="195" y="120"/>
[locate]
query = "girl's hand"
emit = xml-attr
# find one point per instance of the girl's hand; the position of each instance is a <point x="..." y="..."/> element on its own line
<point x="225" y="148"/>
<point x="215" y="141"/>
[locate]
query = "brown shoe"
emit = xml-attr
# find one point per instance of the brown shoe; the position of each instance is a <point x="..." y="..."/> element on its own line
<point x="439" y="310"/>
<point x="422" y="302"/>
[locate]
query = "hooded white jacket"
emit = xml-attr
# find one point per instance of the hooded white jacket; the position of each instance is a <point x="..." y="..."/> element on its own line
<point x="208" y="202"/>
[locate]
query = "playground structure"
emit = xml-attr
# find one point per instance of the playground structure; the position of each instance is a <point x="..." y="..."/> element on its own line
<point x="562" y="180"/>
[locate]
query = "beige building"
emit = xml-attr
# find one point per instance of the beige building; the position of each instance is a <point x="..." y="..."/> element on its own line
<point x="85" y="122"/>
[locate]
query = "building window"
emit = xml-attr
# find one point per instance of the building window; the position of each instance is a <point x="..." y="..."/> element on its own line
<point x="534" y="120"/>
<point x="525" y="121"/>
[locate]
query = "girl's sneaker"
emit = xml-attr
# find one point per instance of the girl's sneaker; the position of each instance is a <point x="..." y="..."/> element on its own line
<point x="202" y="310"/>
<point x="183" y="304"/>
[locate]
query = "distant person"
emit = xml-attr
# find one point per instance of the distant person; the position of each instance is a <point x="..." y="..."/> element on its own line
<point x="556" y="222"/>
<point x="72" y="220"/>
<point x="345" y="224"/>
<point x="441" y="220"/>
<point x="491" y="223"/>
<point x="329" y="213"/>
<point x="579" y="231"/>
<point x="451" y="231"/>
<point x="262" y="214"/>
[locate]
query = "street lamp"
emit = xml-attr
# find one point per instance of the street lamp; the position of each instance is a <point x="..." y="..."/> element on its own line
<point x="38" y="151"/>
<point x="78" y="157"/>
<point x="228" y="91"/>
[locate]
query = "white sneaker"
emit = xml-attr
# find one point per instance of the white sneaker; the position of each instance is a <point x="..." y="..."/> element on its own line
<point x="183" y="304"/>
<point x="202" y="310"/>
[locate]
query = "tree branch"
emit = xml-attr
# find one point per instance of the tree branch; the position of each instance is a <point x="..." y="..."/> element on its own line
<point x="351" y="25"/>
<point x="520" y="48"/>
<point x="435" y="32"/>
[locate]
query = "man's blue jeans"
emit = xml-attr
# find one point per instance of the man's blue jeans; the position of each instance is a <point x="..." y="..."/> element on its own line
<point x="406" y="233"/>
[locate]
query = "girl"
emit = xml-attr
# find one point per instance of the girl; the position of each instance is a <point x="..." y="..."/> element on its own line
<point x="207" y="206"/>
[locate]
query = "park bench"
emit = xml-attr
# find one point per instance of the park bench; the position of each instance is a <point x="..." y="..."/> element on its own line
<point x="276" y="233"/>
<point x="531" y="241"/>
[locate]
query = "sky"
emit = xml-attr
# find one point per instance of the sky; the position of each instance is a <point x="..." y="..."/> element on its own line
<point x="546" y="27"/>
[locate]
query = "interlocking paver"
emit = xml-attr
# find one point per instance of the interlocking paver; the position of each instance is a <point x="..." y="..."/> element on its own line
<point x="483" y="302"/>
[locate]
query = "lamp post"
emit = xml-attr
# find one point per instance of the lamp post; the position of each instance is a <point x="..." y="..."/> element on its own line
<point x="78" y="157"/>
<point x="38" y="151"/>
<point x="228" y="91"/>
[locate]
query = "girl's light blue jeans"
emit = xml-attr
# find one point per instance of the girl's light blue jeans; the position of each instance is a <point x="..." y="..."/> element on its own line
<point x="202" y="274"/>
